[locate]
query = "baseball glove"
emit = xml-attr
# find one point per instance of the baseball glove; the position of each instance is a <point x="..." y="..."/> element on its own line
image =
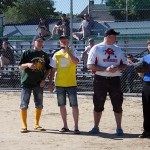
<point x="38" y="62"/>
<point x="142" y="67"/>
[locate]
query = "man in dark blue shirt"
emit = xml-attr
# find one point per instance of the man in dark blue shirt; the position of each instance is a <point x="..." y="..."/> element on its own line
<point x="62" y="27"/>
<point x="146" y="97"/>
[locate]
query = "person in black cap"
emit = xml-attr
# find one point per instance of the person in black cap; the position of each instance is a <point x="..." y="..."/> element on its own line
<point x="85" y="28"/>
<point x="107" y="61"/>
<point x="65" y="61"/>
<point x="62" y="27"/>
<point x="35" y="68"/>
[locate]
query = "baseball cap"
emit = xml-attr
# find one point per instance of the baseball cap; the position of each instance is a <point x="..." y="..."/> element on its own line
<point x="63" y="37"/>
<point x="35" y="38"/>
<point x="86" y="15"/>
<point x="111" y="32"/>
<point x="63" y="15"/>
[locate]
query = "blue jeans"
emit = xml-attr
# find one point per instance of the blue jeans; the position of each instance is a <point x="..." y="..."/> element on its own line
<point x="26" y="94"/>
<point x="72" y="95"/>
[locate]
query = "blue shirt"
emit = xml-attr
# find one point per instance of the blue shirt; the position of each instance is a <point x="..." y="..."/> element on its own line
<point x="146" y="77"/>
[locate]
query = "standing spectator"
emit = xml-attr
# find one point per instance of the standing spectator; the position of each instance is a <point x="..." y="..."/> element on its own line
<point x="85" y="28"/>
<point x="146" y="97"/>
<point x="86" y="52"/>
<point x="44" y="27"/>
<point x="129" y="74"/>
<point x="107" y="60"/>
<point x="62" y="27"/>
<point x="34" y="66"/>
<point x="6" y="55"/>
<point x="65" y="61"/>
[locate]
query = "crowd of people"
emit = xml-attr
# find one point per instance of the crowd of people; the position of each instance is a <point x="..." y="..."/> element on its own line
<point x="62" y="27"/>
<point x="107" y="62"/>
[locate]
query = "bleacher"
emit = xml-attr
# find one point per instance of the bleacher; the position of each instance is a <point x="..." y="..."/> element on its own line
<point x="131" y="40"/>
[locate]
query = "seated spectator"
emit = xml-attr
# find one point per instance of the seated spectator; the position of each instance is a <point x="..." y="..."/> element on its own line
<point x="44" y="27"/>
<point x="85" y="28"/>
<point x="6" y="55"/>
<point x="86" y="52"/>
<point x="62" y="27"/>
<point x="129" y="75"/>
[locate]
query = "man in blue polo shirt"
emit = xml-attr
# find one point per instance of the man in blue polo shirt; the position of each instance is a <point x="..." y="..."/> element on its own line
<point x="146" y="97"/>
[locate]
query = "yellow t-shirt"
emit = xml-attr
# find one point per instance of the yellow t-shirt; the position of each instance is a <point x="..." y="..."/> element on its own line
<point x="66" y="69"/>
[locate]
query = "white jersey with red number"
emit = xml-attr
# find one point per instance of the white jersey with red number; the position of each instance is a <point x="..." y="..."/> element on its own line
<point x="106" y="55"/>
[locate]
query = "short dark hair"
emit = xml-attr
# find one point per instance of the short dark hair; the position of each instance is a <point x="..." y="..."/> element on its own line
<point x="148" y="41"/>
<point x="129" y="56"/>
<point x="63" y="37"/>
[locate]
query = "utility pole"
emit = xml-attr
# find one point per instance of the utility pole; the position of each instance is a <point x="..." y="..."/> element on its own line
<point x="126" y="10"/>
<point x="71" y="22"/>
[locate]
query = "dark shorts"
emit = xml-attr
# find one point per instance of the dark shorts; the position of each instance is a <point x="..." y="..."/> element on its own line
<point x="72" y="95"/>
<point x="102" y="86"/>
<point x="26" y="94"/>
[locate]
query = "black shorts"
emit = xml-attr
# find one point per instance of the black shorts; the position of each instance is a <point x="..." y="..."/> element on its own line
<point x="102" y="86"/>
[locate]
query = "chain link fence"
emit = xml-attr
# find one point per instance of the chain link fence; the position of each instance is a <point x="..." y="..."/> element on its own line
<point x="133" y="23"/>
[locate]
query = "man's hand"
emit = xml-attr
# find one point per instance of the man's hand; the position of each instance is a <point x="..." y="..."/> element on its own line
<point x="32" y="66"/>
<point x="111" y="69"/>
<point x="42" y="83"/>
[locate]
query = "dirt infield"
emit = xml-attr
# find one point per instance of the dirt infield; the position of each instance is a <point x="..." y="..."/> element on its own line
<point x="51" y="139"/>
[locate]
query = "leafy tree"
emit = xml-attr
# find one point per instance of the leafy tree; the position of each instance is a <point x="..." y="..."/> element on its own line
<point x="26" y="10"/>
<point x="4" y="4"/>
<point x="137" y="9"/>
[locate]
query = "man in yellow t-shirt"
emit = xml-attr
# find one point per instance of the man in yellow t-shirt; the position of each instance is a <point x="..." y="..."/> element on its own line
<point x="65" y="61"/>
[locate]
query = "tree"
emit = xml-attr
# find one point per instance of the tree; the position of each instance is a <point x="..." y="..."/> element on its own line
<point x="25" y="10"/>
<point x="138" y="10"/>
<point x="4" y="4"/>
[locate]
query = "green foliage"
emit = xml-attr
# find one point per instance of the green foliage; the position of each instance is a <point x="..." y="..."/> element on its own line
<point x="26" y="10"/>
<point x="138" y="10"/>
<point x="4" y="4"/>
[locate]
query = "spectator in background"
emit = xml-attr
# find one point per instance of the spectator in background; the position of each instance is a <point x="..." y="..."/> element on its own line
<point x="129" y="74"/>
<point x="44" y="27"/>
<point x="85" y="28"/>
<point x="62" y="27"/>
<point x="6" y="55"/>
<point x="86" y="52"/>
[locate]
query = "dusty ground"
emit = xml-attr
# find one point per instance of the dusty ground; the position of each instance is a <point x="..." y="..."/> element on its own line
<point x="12" y="139"/>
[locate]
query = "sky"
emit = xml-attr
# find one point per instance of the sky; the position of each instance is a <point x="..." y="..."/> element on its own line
<point x="78" y="5"/>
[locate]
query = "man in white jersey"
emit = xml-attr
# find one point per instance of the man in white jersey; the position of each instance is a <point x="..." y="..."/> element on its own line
<point x="107" y="61"/>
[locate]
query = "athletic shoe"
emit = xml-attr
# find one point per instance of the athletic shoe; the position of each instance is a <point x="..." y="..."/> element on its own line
<point x="145" y="134"/>
<point x="94" y="131"/>
<point x="119" y="132"/>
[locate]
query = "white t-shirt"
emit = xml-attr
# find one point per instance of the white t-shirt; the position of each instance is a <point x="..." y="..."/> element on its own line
<point x="106" y="55"/>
